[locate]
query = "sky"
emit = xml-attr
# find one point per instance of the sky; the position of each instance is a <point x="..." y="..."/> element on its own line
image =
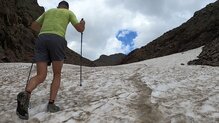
<point x="120" y="26"/>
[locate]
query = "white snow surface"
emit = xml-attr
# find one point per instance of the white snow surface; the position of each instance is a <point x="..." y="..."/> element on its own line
<point x="160" y="90"/>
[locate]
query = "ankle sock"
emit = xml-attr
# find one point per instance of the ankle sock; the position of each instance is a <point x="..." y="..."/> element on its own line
<point x="51" y="101"/>
<point x="28" y="92"/>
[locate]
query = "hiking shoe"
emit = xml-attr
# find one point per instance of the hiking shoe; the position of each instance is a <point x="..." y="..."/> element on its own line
<point x="22" y="105"/>
<point x="52" y="108"/>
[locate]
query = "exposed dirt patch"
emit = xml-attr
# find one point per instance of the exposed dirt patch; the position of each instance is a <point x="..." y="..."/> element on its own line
<point x="147" y="112"/>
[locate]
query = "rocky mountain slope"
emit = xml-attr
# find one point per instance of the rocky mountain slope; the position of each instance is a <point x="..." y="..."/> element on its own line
<point x="209" y="55"/>
<point x="200" y="30"/>
<point x="110" y="60"/>
<point x="16" y="38"/>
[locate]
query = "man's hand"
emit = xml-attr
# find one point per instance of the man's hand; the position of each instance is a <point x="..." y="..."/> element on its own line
<point x="80" y="26"/>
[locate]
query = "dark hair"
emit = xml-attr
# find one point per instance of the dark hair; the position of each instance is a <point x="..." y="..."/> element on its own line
<point x="64" y="3"/>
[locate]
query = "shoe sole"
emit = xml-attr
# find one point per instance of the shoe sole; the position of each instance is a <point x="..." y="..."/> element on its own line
<point x="21" y="116"/>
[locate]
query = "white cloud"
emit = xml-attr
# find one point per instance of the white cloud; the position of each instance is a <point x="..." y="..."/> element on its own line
<point x="113" y="46"/>
<point x="104" y="18"/>
<point x="123" y="33"/>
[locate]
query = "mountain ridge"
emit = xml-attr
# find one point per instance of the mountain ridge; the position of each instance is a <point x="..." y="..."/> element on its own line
<point x="198" y="31"/>
<point x="17" y="39"/>
<point x="110" y="60"/>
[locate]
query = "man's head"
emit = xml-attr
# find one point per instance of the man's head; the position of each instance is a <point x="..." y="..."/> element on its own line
<point x="63" y="4"/>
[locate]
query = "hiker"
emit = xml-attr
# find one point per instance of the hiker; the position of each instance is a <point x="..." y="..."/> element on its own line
<point x="49" y="47"/>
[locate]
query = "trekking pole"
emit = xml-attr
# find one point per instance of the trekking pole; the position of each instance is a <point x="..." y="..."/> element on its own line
<point x="81" y="60"/>
<point x="29" y="73"/>
<point x="28" y="80"/>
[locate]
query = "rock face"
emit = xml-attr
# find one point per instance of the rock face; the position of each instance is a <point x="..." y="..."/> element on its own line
<point x="209" y="55"/>
<point x="16" y="38"/>
<point x="200" y="30"/>
<point x="105" y="60"/>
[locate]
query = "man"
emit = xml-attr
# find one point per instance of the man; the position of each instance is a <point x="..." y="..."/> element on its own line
<point x="50" y="47"/>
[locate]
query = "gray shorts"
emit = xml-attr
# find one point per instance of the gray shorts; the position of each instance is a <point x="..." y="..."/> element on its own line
<point x="49" y="47"/>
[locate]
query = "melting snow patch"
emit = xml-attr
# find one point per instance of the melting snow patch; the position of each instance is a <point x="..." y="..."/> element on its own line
<point x="179" y="93"/>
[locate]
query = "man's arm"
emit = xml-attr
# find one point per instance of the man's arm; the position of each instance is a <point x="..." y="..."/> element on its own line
<point x="80" y="26"/>
<point x="36" y="26"/>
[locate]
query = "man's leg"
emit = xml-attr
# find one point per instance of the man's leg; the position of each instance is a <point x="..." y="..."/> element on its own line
<point x="39" y="78"/>
<point x="24" y="97"/>
<point x="57" y="68"/>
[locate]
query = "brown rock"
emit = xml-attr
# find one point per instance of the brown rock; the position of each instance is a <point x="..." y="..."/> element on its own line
<point x="209" y="55"/>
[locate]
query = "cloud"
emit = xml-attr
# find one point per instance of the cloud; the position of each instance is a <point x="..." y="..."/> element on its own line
<point x="104" y="18"/>
<point x="122" y="33"/>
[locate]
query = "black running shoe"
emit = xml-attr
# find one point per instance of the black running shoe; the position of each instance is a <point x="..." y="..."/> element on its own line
<point x="52" y="108"/>
<point x="22" y="105"/>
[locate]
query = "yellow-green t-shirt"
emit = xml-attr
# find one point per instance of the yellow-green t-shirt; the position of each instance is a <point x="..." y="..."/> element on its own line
<point x="55" y="21"/>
